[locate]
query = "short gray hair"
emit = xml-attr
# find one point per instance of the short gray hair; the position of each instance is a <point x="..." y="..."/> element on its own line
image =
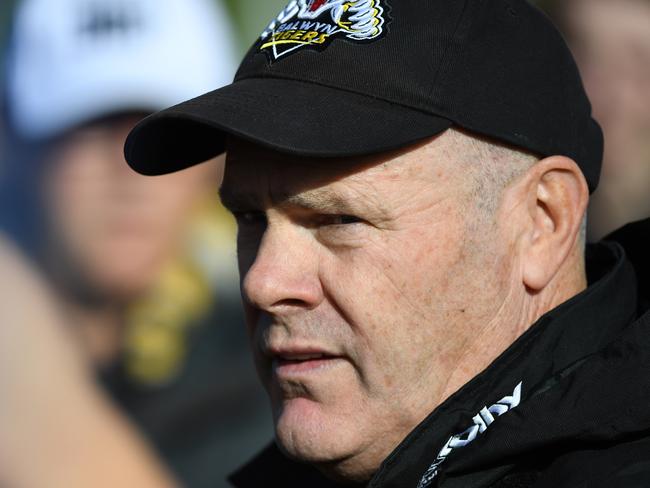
<point x="490" y="166"/>
<point x="493" y="166"/>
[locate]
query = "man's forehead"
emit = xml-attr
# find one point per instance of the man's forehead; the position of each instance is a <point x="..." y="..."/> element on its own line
<point x="253" y="172"/>
<point x="317" y="186"/>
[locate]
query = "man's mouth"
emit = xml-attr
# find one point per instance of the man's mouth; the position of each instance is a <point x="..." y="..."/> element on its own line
<point x="288" y="363"/>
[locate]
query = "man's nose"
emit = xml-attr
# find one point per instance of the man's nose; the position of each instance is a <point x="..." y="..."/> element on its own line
<point x="284" y="275"/>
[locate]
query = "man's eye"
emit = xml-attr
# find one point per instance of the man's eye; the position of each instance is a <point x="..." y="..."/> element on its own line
<point x="338" y="220"/>
<point x="341" y="230"/>
<point x="344" y="220"/>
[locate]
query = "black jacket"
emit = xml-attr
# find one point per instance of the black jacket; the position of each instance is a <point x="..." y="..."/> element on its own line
<point x="566" y="405"/>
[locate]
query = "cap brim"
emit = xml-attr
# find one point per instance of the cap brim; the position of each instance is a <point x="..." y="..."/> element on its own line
<point x="289" y="116"/>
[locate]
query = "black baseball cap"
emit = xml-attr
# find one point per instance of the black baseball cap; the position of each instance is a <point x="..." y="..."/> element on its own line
<point x="334" y="78"/>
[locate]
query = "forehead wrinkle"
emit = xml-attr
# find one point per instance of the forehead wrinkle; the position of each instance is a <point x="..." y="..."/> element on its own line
<point x="356" y="194"/>
<point x="367" y="190"/>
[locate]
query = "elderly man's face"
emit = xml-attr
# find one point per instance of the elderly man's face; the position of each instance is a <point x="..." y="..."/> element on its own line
<point x="363" y="281"/>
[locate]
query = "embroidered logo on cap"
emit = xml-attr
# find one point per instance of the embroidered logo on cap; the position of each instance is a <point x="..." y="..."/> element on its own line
<point x="316" y="23"/>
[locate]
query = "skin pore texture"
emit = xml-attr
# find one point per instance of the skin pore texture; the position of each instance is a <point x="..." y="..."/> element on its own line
<point x="375" y="287"/>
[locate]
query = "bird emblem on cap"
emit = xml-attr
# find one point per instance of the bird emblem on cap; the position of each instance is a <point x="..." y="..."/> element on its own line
<point x="315" y="23"/>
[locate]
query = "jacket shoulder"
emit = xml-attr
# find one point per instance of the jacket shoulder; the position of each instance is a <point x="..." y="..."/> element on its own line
<point x="624" y="465"/>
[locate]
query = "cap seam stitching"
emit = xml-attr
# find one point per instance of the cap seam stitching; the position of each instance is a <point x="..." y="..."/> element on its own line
<point x="445" y="57"/>
<point x="344" y="89"/>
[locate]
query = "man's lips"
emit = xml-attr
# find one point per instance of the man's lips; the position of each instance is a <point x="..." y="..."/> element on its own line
<point x="289" y="362"/>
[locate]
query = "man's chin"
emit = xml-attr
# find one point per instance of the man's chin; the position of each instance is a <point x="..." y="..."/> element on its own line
<point x="306" y="433"/>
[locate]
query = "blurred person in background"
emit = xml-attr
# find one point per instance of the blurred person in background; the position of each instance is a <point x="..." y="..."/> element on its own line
<point x="611" y="43"/>
<point x="132" y="263"/>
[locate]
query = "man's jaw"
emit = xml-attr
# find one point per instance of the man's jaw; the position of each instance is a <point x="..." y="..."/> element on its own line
<point x="315" y="396"/>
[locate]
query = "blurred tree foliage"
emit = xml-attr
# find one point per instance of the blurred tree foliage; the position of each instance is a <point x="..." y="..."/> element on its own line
<point x="251" y="17"/>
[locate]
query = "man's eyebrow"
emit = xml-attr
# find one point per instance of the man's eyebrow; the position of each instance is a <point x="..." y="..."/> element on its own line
<point x="320" y="199"/>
